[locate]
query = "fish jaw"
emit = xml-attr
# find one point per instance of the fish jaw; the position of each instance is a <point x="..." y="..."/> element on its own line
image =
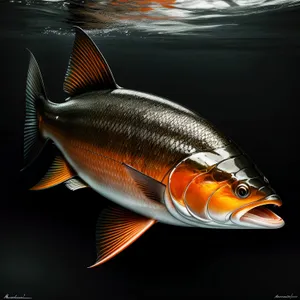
<point x="256" y="215"/>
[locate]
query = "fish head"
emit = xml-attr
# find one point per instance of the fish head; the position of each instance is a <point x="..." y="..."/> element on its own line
<point x="224" y="193"/>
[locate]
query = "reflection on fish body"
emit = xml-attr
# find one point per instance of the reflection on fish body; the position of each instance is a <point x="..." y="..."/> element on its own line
<point x="155" y="160"/>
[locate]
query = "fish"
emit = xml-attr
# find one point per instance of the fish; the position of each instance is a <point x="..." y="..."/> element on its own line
<point x="155" y="160"/>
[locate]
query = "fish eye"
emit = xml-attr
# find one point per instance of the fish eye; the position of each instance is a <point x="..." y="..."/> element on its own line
<point x="242" y="190"/>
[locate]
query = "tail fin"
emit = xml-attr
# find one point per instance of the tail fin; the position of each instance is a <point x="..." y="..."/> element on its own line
<point x="35" y="90"/>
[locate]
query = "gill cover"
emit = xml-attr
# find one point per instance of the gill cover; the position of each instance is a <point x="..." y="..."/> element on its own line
<point x="189" y="182"/>
<point x="203" y="187"/>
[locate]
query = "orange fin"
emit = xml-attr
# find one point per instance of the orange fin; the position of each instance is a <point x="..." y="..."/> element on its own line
<point x="117" y="228"/>
<point x="58" y="173"/>
<point x="88" y="70"/>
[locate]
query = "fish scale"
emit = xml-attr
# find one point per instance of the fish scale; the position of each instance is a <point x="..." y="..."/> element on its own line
<point x="151" y="147"/>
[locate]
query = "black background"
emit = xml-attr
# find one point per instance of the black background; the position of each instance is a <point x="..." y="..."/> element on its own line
<point x="245" y="80"/>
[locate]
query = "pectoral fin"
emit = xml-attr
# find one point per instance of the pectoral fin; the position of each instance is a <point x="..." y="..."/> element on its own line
<point x="151" y="188"/>
<point x="58" y="172"/>
<point x="117" y="228"/>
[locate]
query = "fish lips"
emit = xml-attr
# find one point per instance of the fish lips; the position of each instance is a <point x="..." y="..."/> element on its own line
<point x="257" y="215"/>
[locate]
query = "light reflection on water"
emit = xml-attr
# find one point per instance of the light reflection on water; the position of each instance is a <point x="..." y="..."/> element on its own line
<point x="152" y="16"/>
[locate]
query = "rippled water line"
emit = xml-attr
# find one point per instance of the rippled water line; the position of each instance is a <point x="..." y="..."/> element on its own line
<point x="152" y="16"/>
<point x="185" y="4"/>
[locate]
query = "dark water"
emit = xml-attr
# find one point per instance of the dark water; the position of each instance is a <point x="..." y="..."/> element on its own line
<point x="239" y="70"/>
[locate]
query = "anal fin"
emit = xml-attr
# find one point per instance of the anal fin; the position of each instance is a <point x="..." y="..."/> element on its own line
<point x="59" y="172"/>
<point x="117" y="228"/>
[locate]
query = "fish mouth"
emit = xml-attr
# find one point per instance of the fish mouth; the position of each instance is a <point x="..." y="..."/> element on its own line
<point x="258" y="215"/>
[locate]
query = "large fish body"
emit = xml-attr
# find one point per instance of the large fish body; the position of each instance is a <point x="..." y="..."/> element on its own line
<point x="99" y="132"/>
<point x="155" y="159"/>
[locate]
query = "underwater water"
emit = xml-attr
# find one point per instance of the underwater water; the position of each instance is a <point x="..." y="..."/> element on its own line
<point x="236" y="63"/>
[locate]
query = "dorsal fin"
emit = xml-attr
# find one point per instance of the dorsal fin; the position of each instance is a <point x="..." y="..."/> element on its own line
<point x="87" y="70"/>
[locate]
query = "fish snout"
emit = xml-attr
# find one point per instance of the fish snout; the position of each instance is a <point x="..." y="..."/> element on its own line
<point x="259" y="214"/>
